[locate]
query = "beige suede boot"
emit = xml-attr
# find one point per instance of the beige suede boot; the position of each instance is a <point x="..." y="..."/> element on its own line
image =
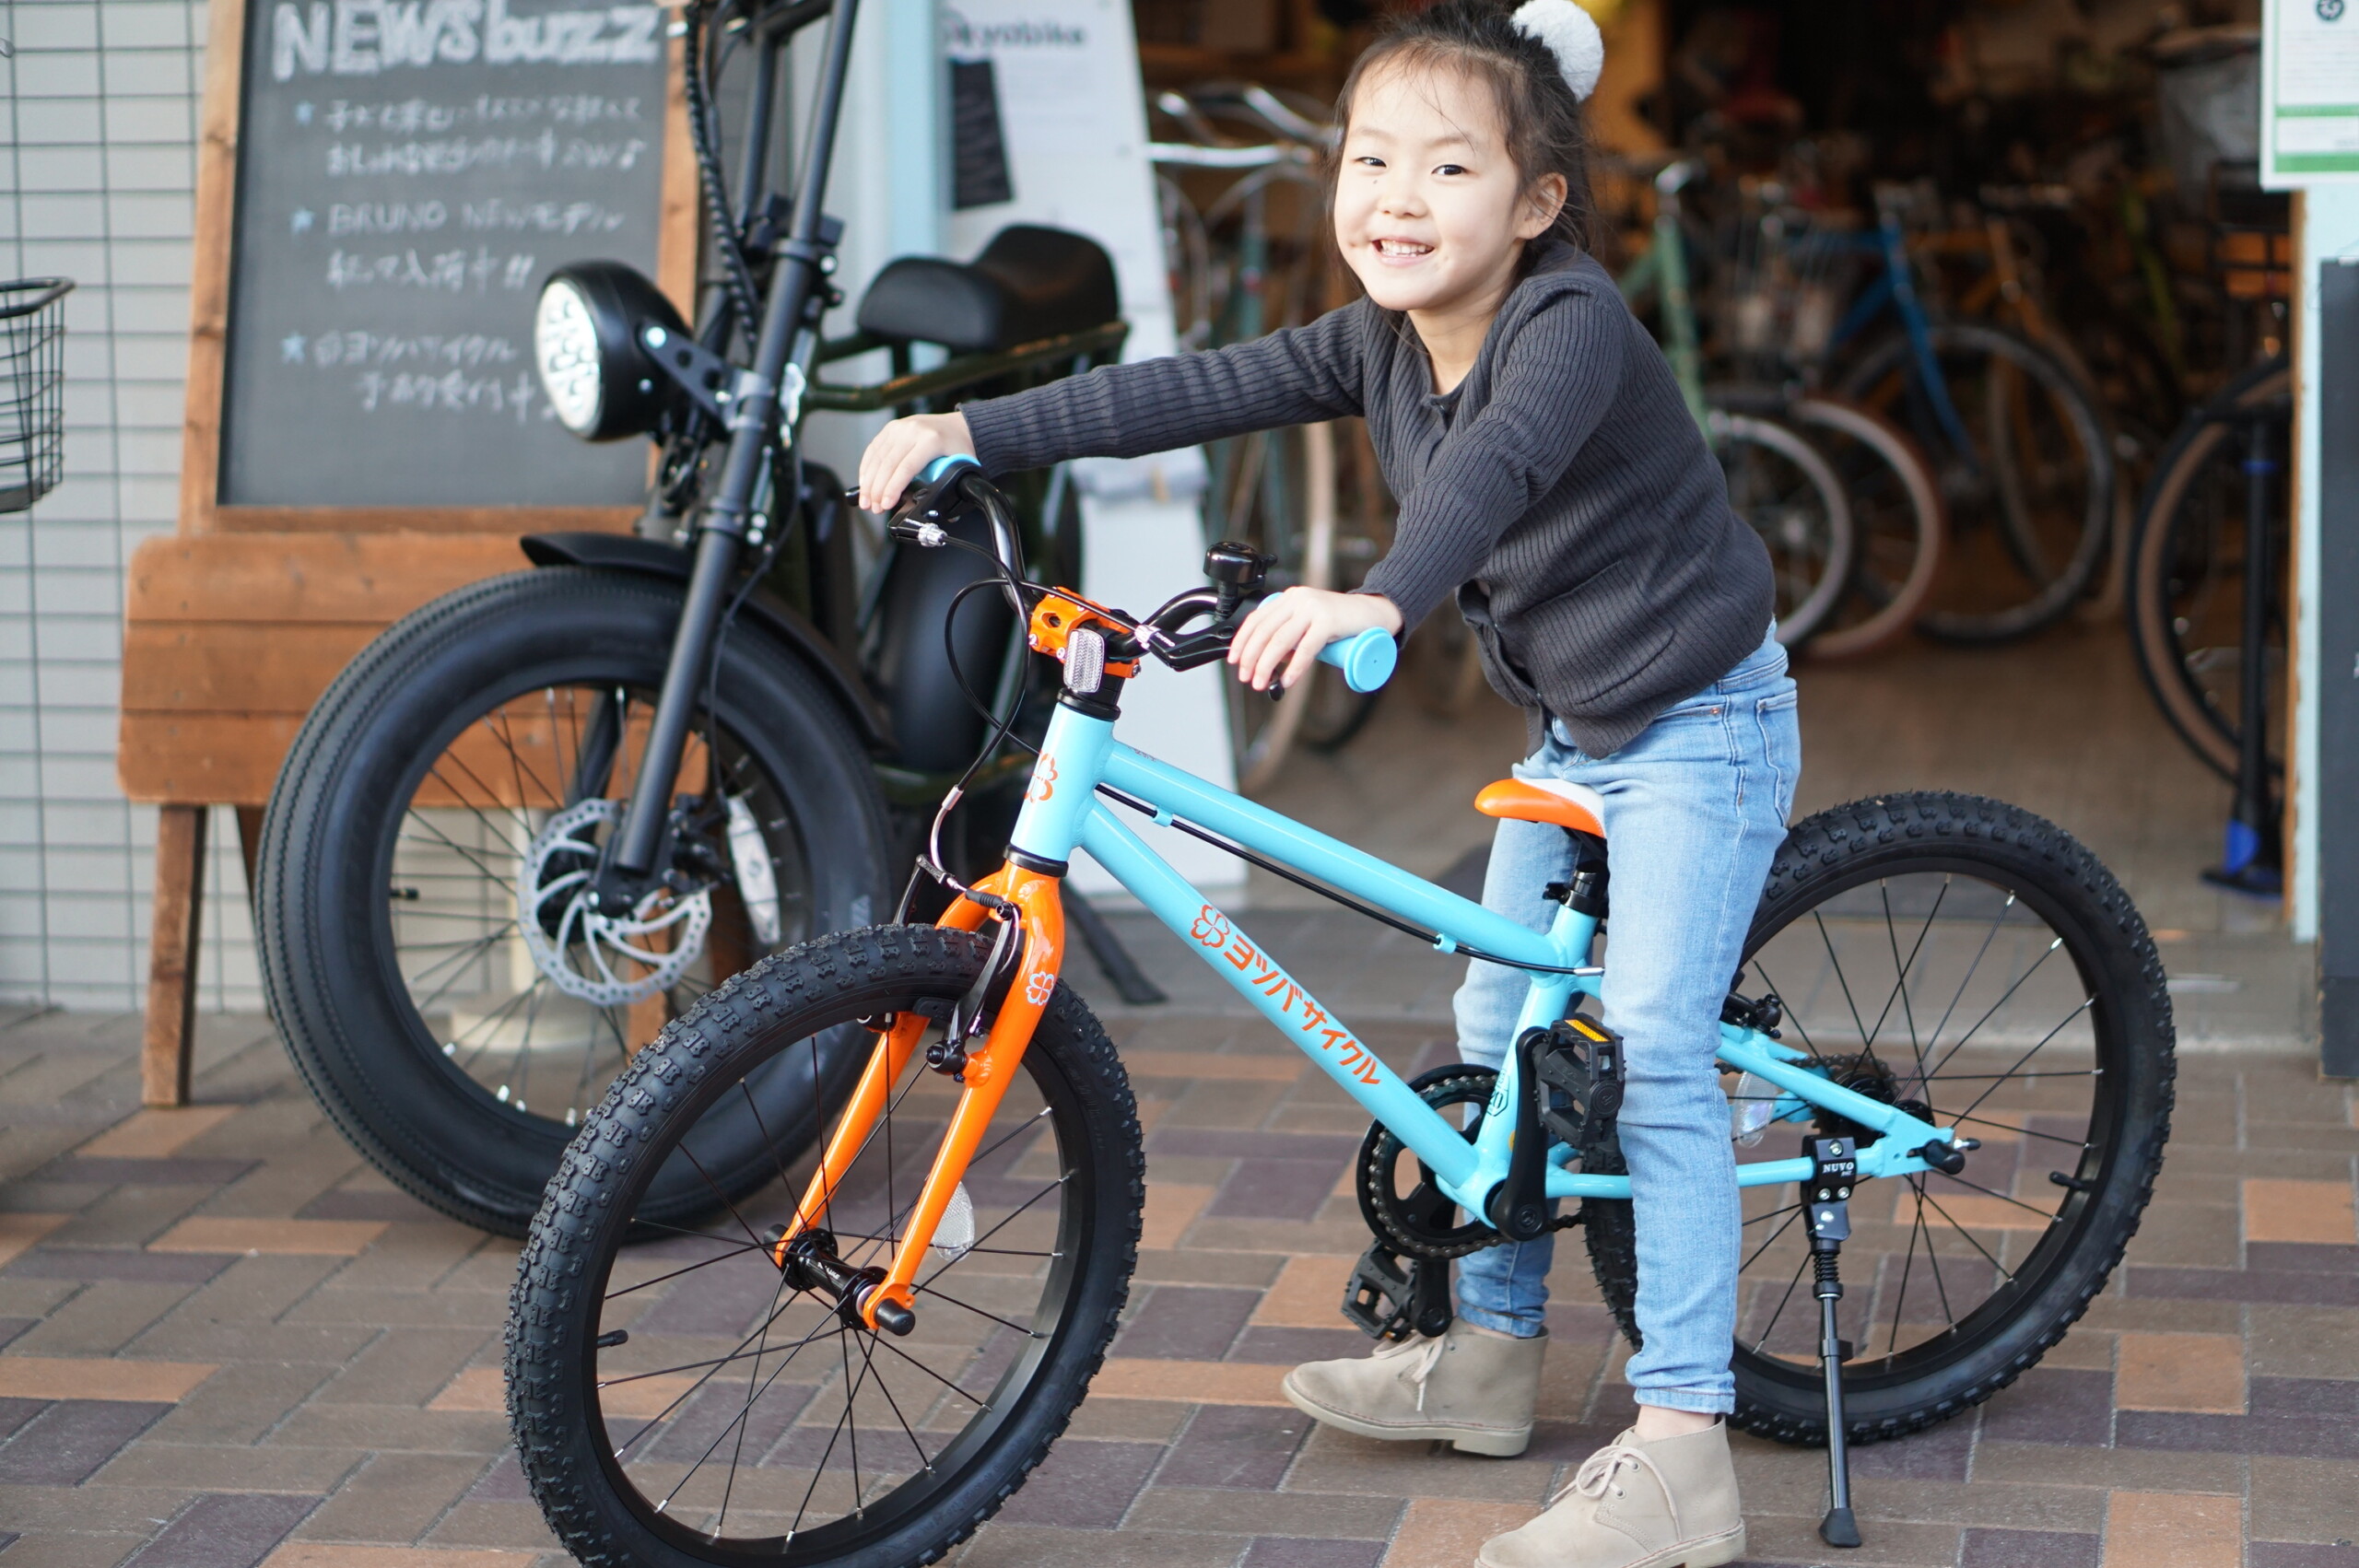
<point x="1472" y="1387"/>
<point x="1637" y="1504"/>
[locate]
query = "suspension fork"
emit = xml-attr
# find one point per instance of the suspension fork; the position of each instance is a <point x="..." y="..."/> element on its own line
<point x="757" y="413"/>
<point x="988" y="1071"/>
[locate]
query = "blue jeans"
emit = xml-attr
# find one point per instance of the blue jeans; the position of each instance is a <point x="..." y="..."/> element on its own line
<point x="1695" y="810"/>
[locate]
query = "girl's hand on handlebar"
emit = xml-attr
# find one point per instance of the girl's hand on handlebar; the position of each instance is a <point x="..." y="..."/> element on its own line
<point x="1283" y="636"/>
<point x="902" y="448"/>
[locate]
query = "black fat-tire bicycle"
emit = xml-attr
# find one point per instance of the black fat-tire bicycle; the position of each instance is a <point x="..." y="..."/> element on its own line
<point x="540" y="817"/>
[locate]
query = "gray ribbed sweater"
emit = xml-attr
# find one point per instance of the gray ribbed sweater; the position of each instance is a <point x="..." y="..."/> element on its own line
<point x="1561" y="488"/>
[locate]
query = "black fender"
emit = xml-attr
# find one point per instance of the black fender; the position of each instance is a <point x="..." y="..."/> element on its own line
<point x="658" y="559"/>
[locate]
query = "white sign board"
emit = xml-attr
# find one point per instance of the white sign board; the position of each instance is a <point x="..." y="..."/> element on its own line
<point x="1071" y="119"/>
<point x="2310" y="92"/>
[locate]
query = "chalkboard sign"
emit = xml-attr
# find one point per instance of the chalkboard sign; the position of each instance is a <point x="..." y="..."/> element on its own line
<point x="400" y="175"/>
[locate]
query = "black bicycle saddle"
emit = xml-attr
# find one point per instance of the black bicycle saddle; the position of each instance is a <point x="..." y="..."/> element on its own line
<point x="1028" y="284"/>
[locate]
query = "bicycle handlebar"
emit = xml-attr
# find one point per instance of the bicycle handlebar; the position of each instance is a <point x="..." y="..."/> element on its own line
<point x="1367" y="658"/>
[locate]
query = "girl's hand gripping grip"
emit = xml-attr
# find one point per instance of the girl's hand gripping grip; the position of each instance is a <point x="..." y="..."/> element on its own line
<point x="1366" y="660"/>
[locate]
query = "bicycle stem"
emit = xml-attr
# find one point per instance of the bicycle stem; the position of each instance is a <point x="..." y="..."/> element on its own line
<point x="797" y="278"/>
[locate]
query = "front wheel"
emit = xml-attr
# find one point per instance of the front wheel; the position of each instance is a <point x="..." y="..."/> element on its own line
<point x="450" y="994"/>
<point x="679" y="1399"/>
<point x="1974" y="963"/>
<point x="1789" y="494"/>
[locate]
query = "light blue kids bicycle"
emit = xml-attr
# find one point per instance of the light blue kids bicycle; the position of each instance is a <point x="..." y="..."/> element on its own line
<point x="1946" y="1004"/>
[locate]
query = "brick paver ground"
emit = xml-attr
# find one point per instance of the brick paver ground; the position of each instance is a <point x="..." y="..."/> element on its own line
<point x="228" y="1343"/>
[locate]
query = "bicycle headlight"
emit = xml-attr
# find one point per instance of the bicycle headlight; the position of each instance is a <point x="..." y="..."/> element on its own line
<point x="589" y="344"/>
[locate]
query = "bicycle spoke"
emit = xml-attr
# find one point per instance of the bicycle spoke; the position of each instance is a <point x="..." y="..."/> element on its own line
<point x="1791" y="1216"/>
<point x="1004" y="1323"/>
<point x="1772" y="1326"/>
<point x="1900" y="968"/>
<point x="2025" y="1131"/>
<point x="689" y="1392"/>
<point x="736" y="1250"/>
<point x="1961" y="1229"/>
<point x="2086" y="1002"/>
<point x="1792" y="1015"/>
<point x="1971" y="970"/>
<point x="1867" y="1041"/>
<point x="2018" y="1203"/>
<point x="738" y="1423"/>
<point x="1994" y="1007"/>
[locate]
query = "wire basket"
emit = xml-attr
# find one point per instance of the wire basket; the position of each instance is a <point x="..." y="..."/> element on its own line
<point x="1781" y="283"/>
<point x="32" y="388"/>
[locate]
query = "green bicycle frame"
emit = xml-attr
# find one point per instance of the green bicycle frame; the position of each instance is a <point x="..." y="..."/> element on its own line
<point x="1065" y="810"/>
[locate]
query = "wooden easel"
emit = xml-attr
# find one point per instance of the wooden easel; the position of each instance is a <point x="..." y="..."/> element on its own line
<point x="237" y="622"/>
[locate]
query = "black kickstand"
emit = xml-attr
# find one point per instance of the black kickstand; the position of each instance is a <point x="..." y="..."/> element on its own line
<point x="1114" y="960"/>
<point x="1834" y="1165"/>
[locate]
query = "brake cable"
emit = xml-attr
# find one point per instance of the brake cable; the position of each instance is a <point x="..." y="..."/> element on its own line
<point x="1435" y="939"/>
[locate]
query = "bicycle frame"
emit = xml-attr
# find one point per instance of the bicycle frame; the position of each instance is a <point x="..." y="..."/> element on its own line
<point x="1896" y="285"/>
<point x="1064" y="810"/>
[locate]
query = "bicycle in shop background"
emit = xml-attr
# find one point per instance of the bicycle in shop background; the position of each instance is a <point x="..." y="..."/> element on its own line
<point x="864" y="1348"/>
<point x="1254" y="256"/>
<point x="538" y="817"/>
<point x="2021" y="453"/>
<point x="1856" y="526"/>
<point x="2211" y="564"/>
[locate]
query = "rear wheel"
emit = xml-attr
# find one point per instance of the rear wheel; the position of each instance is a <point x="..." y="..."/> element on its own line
<point x="2026" y="470"/>
<point x="680" y="1400"/>
<point x="429" y="951"/>
<point x="1309" y="497"/>
<point x="1898" y="520"/>
<point x="1789" y="495"/>
<point x="1977" y="963"/>
<point x="2187" y="572"/>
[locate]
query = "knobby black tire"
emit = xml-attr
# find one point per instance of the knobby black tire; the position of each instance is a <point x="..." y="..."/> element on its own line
<point x="555" y="1302"/>
<point x="330" y="974"/>
<point x="2153" y="634"/>
<point x="1848" y="846"/>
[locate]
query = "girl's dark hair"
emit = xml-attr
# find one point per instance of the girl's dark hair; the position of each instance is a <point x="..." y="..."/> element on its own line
<point x="1546" y="133"/>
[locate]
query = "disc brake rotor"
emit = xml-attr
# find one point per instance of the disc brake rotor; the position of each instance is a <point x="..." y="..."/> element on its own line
<point x="605" y="960"/>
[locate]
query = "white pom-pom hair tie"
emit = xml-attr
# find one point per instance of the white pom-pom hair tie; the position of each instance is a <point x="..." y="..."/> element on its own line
<point x="1571" y="36"/>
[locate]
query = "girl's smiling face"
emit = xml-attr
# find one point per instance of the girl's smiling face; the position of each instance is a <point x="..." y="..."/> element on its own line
<point x="1430" y="210"/>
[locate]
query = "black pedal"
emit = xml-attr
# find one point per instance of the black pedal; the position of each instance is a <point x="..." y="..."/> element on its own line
<point x="1392" y="1297"/>
<point x="1579" y="1067"/>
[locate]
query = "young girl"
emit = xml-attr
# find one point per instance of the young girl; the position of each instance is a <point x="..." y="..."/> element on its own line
<point x="1548" y="472"/>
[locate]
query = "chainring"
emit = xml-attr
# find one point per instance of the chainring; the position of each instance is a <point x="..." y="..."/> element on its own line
<point x="578" y="947"/>
<point x="1417" y="1224"/>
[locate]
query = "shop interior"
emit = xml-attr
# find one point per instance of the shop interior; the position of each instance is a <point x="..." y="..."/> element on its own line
<point x="2003" y="265"/>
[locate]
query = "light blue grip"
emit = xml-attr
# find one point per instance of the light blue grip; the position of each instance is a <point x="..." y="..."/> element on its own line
<point x="942" y="465"/>
<point x="1367" y="661"/>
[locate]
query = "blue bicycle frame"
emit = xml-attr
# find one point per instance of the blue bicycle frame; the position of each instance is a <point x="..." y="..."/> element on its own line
<point x="1065" y="810"/>
<point x="1896" y="285"/>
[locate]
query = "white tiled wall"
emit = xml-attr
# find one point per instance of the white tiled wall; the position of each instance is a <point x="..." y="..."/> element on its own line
<point x="98" y="127"/>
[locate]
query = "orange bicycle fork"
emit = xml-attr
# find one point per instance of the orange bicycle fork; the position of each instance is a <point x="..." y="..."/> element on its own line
<point x="1034" y="903"/>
